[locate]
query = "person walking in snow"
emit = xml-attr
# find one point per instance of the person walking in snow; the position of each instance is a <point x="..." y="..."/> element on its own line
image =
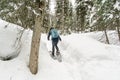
<point x="55" y="37"/>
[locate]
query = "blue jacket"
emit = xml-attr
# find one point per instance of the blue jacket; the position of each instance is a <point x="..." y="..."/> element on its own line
<point x="53" y="39"/>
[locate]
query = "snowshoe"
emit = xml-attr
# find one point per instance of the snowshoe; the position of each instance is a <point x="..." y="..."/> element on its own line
<point x="59" y="56"/>
<point x="52" y="56"/>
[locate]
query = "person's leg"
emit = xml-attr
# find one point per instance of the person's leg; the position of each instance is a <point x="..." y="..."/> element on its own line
<point x="57" y="49"/>
<point x="53" y="47"/>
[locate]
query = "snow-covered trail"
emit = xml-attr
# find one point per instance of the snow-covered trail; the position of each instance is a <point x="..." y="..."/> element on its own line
<point x="53" y="69"/>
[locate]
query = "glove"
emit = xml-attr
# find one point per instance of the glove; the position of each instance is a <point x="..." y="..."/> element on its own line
<point x="60" y="40"/>
<point x="48" y="39"/>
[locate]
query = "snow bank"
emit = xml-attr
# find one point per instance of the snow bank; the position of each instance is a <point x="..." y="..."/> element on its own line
<point x="100" y="36"/>
<point x="8" y="38"/>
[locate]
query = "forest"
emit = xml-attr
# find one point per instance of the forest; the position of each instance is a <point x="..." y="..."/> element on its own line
<point x="82" y="16"/>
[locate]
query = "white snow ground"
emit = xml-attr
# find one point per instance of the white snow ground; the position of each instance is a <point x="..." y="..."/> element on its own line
<point x="84" y="58"/>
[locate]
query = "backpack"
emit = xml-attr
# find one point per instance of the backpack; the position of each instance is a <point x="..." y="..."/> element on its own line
<point x="54" y="33"/>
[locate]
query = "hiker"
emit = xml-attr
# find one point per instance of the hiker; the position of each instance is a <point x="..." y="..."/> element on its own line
<point x="55" y="39"/>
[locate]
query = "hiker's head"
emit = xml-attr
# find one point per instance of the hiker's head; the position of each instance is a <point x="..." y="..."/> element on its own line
<point x="51" y="28"/>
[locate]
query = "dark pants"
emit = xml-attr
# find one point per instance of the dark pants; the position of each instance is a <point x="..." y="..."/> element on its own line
<point x="54" y="45"/>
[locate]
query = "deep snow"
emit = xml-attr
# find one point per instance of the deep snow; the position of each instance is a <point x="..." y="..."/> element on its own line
<point x="84" y="57"/>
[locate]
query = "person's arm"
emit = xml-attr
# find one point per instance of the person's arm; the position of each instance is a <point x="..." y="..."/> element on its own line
<point x="48" y="35"/>
<point x="59" y="38"/>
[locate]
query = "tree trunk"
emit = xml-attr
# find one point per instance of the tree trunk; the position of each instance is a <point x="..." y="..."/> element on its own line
<point x="33" y="62"/>
<point x="107" y="40"/>
<point x="118" y="31"/>
<point x="118" y="28"/>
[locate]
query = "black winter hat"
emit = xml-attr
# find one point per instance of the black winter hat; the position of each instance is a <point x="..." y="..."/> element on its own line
<point x="51" y="28"/>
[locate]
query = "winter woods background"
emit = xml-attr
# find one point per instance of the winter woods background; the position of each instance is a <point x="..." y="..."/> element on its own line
<point x="80" y="16"/>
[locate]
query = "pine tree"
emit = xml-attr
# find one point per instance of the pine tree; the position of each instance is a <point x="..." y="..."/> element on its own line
<point x="116" y="17"/>
<point x="82" y="9"/>
<point x="59" y="13"/>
